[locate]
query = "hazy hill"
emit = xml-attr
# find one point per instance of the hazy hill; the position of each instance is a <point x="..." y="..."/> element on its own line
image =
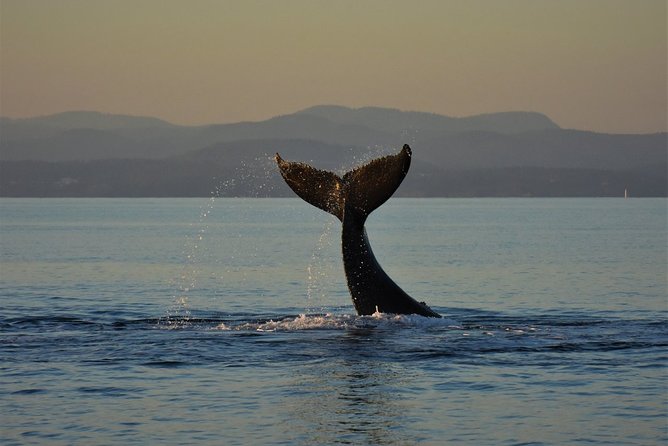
<point x="92" y="120"/>
<point x="552" y="148"/>
<point x="502" y="154"/>
<point x="48" y="138"/>
<point x="53" y="125"/>
<point x="428" y="125"/>
<point x="295" y="126"/>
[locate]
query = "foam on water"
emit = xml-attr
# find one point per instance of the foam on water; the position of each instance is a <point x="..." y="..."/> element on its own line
<point x="340" y="322"/>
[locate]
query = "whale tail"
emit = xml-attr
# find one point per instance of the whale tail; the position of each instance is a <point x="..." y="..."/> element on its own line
<point x="360" y="191"/>
<point x="351" y="198"/>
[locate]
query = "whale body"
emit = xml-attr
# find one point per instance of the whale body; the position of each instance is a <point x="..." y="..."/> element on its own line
<point x="352" y="198"/>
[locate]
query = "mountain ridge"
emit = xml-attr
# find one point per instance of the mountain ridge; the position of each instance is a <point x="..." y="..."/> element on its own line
<point x="104" y="120"/>
<point x="524" y="152"/>
<point x="387" y="119"/>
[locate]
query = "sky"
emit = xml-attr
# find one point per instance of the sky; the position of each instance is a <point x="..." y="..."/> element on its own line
<point x="595" y="65"/>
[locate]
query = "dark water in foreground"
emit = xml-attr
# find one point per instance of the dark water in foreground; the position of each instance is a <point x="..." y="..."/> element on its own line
<point x="193" y="321"/>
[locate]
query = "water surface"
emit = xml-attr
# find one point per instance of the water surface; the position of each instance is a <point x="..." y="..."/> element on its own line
<point x="227" y="321"/>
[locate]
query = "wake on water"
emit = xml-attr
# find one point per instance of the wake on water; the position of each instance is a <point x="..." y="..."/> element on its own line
<point x="340" y="322"/>
<point x="301" y="322"/>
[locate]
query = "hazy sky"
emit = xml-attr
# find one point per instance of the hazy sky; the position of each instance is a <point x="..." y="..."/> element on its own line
<point x="588" y="64"/>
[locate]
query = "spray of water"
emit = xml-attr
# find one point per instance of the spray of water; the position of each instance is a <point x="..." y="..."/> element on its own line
<point x="179" y="313"/>
<point x="347" y="321"/>
<point x="320" y="270"/>
<point x="256" y="177"/>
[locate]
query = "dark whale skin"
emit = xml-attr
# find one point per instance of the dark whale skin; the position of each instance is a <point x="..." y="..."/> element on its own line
<point x="351" y="199"/>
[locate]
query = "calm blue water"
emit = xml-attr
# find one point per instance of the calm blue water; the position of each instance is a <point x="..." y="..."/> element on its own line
<point x="195" y="321"/>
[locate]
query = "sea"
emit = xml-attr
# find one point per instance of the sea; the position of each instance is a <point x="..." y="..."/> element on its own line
<point x="227" y="321"/>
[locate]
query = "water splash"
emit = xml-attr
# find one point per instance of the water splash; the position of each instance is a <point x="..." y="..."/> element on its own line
<point x="256" y="176"/>
<point x="409" y="135"/>
<point x="359" y="159"/>
<point x="320" y="270"/>
<point x="179" y="313"/>
<point x="341" y="322"/>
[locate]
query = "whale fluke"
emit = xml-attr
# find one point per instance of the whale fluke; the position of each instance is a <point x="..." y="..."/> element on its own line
<point x="320" y="188"/>
<point x="351" y="199"/>
<point x="371" y="185"/>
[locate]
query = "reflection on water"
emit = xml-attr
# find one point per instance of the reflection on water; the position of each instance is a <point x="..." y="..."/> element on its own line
<point x="356" y="398"/>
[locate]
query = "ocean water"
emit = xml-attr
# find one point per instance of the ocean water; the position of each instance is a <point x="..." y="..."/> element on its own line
<point x="228" y="321"/>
